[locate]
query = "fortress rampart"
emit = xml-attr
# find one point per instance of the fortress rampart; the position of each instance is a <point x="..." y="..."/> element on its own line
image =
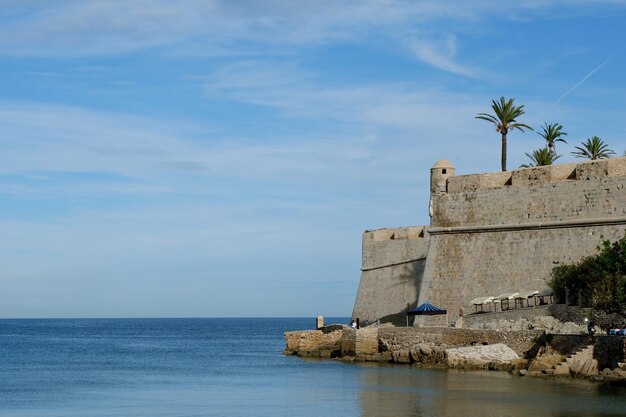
<point x="490" y="234"/>
<point x="591" y="191"/>
<point x="392" y="269"/>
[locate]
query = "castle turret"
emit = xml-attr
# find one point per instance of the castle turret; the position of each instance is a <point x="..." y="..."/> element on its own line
<point x="439" y="174"/>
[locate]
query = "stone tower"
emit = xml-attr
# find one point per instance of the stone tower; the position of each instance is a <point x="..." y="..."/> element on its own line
<point x="439" y="174"/>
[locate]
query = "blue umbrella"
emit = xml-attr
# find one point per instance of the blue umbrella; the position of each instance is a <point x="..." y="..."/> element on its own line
<point x="426" y="309"/>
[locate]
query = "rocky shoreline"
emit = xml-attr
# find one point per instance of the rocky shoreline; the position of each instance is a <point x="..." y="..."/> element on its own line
<point x="534" y="352"/>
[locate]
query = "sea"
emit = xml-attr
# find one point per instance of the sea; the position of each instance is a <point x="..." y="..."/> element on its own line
<point x="236" y="368"/>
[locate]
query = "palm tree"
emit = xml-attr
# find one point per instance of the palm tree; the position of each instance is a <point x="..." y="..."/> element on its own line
<point x="505" y="119"/>
<point x="552" y="133"/>
<point x="593" y="148"/>
<point x="540" y="157"/>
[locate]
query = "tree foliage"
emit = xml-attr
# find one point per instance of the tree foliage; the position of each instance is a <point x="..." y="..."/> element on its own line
<point x="505" y="119"/>
<point x="599" y="281"/>
<point x="540" y="157"/>
<point x="552" y="133"/>
<point x="593" y="148"/>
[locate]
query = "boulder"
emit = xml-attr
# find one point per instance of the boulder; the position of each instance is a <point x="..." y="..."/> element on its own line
<point x="498" y="356"/>
<point x="415" y="356"/>
<point x="562" y="370"/>
<point x="401" y="356"/>
<point x="571" y="328"/>
<point x="547" y="360"/>
<point x="519" y="364"/>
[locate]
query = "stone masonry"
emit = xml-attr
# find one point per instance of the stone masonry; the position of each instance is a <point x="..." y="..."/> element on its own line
<point x="491" y="234"/>
<point x="393" y="264"/>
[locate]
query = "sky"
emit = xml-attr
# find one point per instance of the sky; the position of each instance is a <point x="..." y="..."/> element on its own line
<point x="222" y="158"/>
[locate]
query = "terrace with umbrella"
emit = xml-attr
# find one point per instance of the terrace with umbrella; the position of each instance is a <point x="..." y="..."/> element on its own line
<point x="426" y="309"/>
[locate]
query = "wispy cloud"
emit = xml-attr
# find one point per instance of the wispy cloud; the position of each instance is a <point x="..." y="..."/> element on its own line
<point x="375" y="106"/>
<point x="253" y="74"/>
<point x="441" y="55"/>
<point x="38" y="139"/>
<point x="94" y="27"/>
<point x="589" y="74"/>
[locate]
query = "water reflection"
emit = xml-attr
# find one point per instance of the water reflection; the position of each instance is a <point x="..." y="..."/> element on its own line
<point x="410" y="392"/>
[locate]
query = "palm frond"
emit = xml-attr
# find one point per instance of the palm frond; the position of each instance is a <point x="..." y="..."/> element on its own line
<point x="520" y="126"/>
<point x="593" y="148"/>
<point x="487" y="117"/>
<point x="552" y="132"/>
<point x="540" y="157"/>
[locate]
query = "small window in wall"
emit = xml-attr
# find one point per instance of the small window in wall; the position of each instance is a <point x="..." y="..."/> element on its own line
<point x="443" y="171"/>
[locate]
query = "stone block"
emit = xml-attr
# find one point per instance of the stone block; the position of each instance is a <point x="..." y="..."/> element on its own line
<point x="474" y="182"/>
<point x="600" y="169"/>
<point x="498" y="356"/>
<point x="464" y="184"/>
<point x="348" y="342"/>
<point x="530" y="177"/>
<point x="366" y="342"/>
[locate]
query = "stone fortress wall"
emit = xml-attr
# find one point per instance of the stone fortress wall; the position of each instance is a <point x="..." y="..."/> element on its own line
<point x="392" y="269"/>
<point x="491" y="234"/>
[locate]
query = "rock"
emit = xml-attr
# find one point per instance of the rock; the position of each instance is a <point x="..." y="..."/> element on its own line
<point x="331" y="328"/>
<point x="382" y="357"/>
<point x="485" y="357"/>
<point x="519" y="364"/>
<point x="562" y="370"/>
<point x="547" y="360"/>
<point x="326" y="353"/>
<point x="425" y="350"/>
<point x="589" y="368"/>
<point x="547" y="323"/>
<point x="383" y="346"/>
<point x="401" y="356"/>
<point x="572" y="328"/>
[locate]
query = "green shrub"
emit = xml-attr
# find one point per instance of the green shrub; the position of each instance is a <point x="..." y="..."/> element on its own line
<point x="598" y="281"/>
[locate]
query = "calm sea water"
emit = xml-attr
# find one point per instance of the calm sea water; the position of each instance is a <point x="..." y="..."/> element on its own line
<point x="234" y="367"/>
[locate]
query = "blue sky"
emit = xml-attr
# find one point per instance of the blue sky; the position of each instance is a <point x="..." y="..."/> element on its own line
<point x="223" y="157"/>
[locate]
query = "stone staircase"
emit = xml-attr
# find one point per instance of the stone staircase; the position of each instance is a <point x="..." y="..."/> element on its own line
<point x="579" y="363"/>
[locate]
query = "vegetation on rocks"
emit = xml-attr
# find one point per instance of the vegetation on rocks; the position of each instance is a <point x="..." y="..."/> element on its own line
<point x="598" y="281"/>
